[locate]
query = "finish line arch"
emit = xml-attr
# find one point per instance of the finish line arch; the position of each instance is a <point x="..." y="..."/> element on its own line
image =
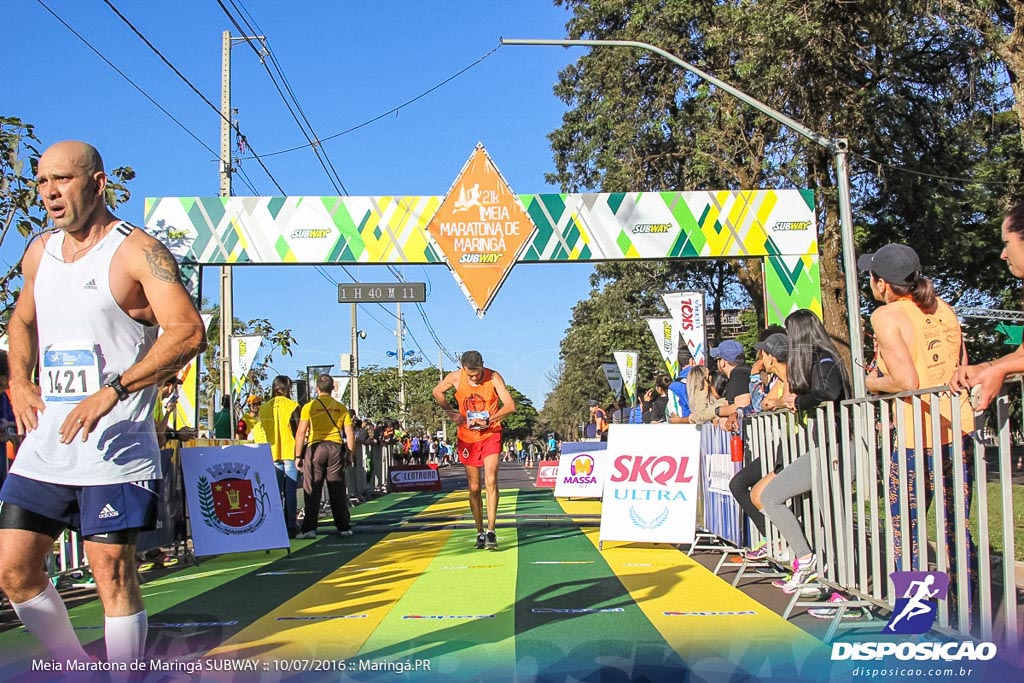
<point x="481" y="230"/>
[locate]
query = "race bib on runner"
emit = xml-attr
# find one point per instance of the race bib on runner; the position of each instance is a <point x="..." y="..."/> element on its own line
<point x="477" y="419"/>
<point x="69" y="373"/>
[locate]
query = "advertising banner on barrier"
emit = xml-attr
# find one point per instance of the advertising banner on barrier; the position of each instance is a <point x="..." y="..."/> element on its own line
<point x="627" y="362"/>
<point x="687" y="311"/>
<point x="722" y="514"/>
<point x="413" y="478"/>
<point x="233" y="500"/>
<point x="650" y="493"/>
<point x="582" y="469"/>
<point x="547" y="474"/>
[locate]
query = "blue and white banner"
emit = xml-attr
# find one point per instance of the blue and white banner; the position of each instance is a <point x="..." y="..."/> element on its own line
<point x="722" y="514"/>
<point x="582" y="469"/>
<point x="650" y="494"/>
<point x="233" y="500"/>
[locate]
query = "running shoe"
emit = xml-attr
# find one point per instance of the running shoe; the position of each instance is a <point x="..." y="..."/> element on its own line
<point x="784" y="581"/>
<point x="803" y="573"/>
<point x="830" y="612"/>
<point x="481" y="540"/>
<point x="491" y="542"/>
<point x="306" y="534"/>
<point x="757" y="554"/>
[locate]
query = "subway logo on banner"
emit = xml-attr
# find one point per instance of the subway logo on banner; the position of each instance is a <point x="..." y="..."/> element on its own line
<point x="661" y="470"/>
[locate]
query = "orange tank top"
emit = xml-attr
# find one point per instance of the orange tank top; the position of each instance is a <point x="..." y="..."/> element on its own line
<point x="478" y="399"/>
<point x="935" y="350"/>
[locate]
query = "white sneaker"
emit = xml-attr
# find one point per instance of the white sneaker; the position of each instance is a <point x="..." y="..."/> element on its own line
<point x="803" y="573"/>
<point x="306" y="534"/>
<point x="830" y="613"/>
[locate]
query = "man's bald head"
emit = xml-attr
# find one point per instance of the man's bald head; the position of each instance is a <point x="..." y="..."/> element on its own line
<point x="81" y="154"/>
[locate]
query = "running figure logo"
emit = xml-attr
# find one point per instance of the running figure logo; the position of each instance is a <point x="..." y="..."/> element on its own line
<point x="915" y="612"/>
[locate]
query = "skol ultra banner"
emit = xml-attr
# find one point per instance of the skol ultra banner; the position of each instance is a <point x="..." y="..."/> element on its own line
<point x="243" y="353"/>
<point x="233" y="500"/>
<point x="667" y="340"/>
<point x="687" y="311"/>
<point x="627" y="362"/>
<point x="614" y="377"/>
<point x="582" y="469"/>
<point x="650" y="493"/>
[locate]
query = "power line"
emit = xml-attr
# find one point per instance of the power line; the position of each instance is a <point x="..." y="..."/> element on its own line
<point x="196" y="90"/>
<point x="389" y="111"/>
<point x="910" y="171"/>
<point x="140" y="89"/>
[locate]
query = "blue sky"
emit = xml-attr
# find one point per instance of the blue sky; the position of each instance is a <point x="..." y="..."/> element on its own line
<point x="347" y="62"/>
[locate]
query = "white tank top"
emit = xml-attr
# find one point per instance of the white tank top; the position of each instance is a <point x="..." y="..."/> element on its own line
<point x="77" y="320"/>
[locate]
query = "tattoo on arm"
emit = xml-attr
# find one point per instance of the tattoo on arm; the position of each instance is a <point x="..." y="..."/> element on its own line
<point x="161" y="264"/>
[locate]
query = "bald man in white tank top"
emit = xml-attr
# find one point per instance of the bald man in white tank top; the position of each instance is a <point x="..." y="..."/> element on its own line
<point x="96" y="291"/>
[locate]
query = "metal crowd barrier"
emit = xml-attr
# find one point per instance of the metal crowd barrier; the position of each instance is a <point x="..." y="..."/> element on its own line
<point x="854" y="507"/>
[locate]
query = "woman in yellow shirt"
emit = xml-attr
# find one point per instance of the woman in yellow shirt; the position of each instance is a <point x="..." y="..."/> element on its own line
<point x="278" y="418"/>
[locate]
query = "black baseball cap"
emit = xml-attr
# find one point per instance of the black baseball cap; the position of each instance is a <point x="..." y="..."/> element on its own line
<point x="776" y="345"/>
<point x="895" y="263"/>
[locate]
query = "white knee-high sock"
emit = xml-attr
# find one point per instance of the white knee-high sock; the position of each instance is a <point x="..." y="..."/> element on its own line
<point x="46" y="617"/>
<point x="126" y="637"/>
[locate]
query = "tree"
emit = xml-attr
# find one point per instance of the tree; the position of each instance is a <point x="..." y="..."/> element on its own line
<point x="913" y="93"/>
<point x="279" y="341"/>
<point x="20" y="206"/>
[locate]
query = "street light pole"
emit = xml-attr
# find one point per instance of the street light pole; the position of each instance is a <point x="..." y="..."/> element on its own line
<point x="838" y="148"/>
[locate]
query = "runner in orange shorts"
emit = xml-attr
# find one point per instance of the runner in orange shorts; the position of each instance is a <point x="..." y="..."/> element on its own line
<point x="483" y="401"/>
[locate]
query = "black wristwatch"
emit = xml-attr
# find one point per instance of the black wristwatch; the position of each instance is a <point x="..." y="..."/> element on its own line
<point x="115" y="384"/>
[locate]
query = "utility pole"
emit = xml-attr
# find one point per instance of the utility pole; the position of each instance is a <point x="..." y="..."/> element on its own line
<point x="227" y="312"/>
<point x="226" y="305"/>
<point x="354" y="370"/>
<point x="401" y="362"/>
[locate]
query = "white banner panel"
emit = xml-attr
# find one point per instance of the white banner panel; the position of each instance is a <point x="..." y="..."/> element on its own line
<point x="340" y="385"/>
<point x="582" y="469"/>
<point x="614" y="377"/>
<point x="233" y="500"/>
<point x="627" y="362"/>
<point x="687" y="311"/>
<point x="650" y="494"/>
<point x="666" y="338"/>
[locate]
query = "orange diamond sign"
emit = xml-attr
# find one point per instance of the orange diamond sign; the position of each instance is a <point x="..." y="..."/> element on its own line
<point x="480" y="228"/>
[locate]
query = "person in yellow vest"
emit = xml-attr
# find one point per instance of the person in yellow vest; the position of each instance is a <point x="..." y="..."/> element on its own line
<point x="251" y="418"/>
<point x="483" y="401"/>
<point x="278" y="420"/>
<point x="920" y="345"/>
<point x="324" y="421"/>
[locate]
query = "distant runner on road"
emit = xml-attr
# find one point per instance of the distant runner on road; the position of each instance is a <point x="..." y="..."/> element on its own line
<point x="483" y="401"/>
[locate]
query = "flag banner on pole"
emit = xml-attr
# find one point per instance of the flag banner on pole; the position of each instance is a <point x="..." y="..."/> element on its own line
<point x="340" y="385"/>
<point x="627" y="362"/>
<point x="243" y="353"/>
<point x="666" y="338"/>
<point x="614" y="377"/>
<point x="687" y="311"/>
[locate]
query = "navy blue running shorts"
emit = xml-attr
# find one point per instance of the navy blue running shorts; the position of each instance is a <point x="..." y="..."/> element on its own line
<point x="92" y="510"/>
